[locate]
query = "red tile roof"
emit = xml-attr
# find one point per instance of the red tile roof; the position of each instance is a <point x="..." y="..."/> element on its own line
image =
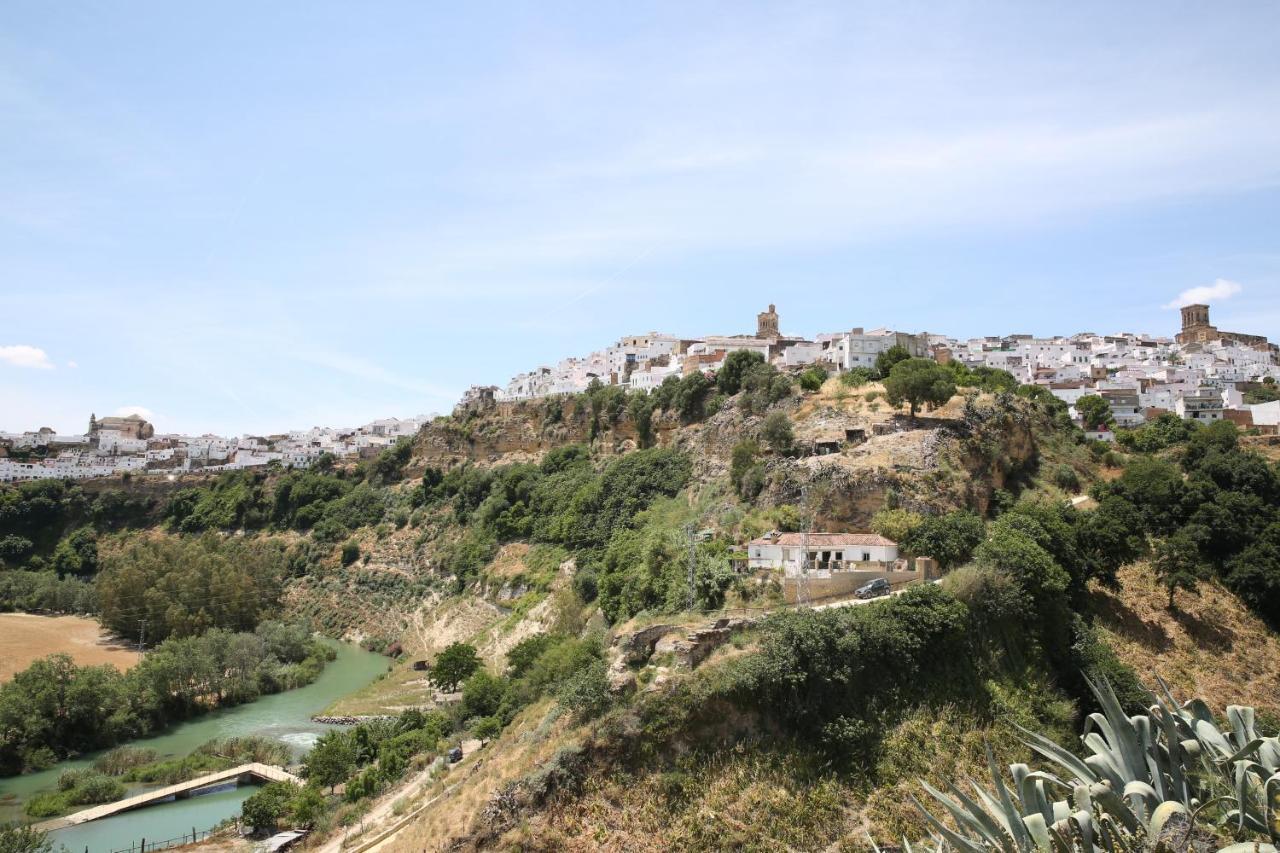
<point x="825" y="540"/>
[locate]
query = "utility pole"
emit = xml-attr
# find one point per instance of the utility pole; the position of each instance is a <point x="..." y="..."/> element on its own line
<point x="802" y="582"/>
<point x="693" y="559"/>
<point x="142" y="636"/>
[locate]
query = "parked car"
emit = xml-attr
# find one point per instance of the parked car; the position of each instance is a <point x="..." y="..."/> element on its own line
<point x="455" y="755"/>
<point x="873" y="589"/>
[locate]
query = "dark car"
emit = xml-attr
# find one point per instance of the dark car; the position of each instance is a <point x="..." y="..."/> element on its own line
<point x="455" y="755"/>
<point x="873" y="589"/>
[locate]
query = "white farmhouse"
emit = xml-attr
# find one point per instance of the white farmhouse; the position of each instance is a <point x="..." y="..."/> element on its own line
<point x="785" y="551"/>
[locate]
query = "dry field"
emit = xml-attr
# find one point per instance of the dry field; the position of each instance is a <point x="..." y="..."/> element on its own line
<point x="25" y="637"/>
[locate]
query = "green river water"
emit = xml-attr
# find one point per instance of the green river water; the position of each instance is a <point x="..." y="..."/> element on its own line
<point x="283" y="716"/>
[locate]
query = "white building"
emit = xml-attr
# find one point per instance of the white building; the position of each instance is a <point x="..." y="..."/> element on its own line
<point x="785" y="551"/>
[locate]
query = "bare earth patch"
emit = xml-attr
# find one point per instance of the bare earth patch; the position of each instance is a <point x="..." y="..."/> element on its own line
<point x="26" y="637"/>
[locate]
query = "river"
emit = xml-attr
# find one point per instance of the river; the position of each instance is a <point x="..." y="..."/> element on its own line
<point x="283" y="716"/>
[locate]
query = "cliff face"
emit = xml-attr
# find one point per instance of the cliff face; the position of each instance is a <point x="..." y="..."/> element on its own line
<point x="850" y="457"/>
<point x="520" y="432"/>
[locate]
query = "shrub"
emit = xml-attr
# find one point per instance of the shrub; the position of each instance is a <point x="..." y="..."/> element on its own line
<point x="776" y="432"/>
<point x="812" y="379"/>
<point x="350" y="553"/>
<point x="1066" y="478"/>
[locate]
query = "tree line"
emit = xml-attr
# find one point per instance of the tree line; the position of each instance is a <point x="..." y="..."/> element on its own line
<point x="55" y="708"/>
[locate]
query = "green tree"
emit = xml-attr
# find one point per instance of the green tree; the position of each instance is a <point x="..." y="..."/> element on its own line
<point x="1094" y="411"/>
<point x="1178" y="565"/>
<point x="482" y="694"/>
<point x="78" y="553"/>
<point x="918" y="381"/>
<point x="308" y="806"/>
<point x="949" y="539"/>
<point x="777" y="433"/>
<point x="264" y="808"/>
<point x="331" y="760"/>
<point x="454" y="665"/>
<point x="886" y="360"/>
<point x="896" y="524"/>
<point x="487" y="728"/>
<point x="736" y="365"/>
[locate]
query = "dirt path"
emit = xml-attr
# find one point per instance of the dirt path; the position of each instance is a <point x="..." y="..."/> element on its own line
<point x="26" y="637"/>
<point x="380" y="818"/>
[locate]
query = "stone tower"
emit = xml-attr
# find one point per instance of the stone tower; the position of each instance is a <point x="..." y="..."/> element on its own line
<point x="1195" y="315"/>
<point x="1195" y="325"/>
<point x="767" y="323"/>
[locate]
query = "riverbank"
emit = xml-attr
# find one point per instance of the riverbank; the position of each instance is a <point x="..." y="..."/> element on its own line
<point x="285" y="717"/>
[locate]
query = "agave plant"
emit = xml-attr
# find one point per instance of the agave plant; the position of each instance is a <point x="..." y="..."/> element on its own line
<point x="1145" y="782"/>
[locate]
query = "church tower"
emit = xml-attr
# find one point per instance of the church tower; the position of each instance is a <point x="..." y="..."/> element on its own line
<point x="767" y="323"/>
<point x="1195" y="325"/>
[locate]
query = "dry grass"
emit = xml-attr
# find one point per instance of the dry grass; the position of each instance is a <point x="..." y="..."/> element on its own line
<point x="509" y="562"/>
<point x="1212" y="647"/>
<point x="531" y="739"/>
<point x="25" y="637"/>
<point x="768" y="799"/>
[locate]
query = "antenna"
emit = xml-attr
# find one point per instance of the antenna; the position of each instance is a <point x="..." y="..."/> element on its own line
<point x="142" y="636"/>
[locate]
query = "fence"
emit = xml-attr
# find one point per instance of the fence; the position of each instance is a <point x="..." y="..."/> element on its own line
<point x="145" y="845"/>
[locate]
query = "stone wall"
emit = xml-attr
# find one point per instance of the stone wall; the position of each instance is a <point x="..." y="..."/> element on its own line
<point x="838" y="584"/>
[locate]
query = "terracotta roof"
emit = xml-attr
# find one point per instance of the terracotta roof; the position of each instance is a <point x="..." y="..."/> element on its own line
<point x="824" y="540"/>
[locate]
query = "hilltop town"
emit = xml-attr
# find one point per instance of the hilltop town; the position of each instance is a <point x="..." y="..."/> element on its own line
<point x="129" y="444"/>
<point x="1201" y="373"/>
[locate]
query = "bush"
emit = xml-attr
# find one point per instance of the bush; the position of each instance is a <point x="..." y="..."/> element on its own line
<point x="896" y="524"/>
<point x="776" y="432"/>
<point x="1066" y="478"/>
<point x="586" y="692"/>
<point x="350" y="553"/>
<point x="813" y="378"/>
<point x="856" y="377"/>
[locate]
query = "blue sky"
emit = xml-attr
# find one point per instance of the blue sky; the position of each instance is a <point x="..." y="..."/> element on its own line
<point x="248" y="217"/>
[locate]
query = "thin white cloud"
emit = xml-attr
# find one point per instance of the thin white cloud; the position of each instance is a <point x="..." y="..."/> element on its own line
<point x="72" y="365"/>
<point x="125" y="411"/>
<point x="23" y="355"/>
<point x="1221" y="289"/>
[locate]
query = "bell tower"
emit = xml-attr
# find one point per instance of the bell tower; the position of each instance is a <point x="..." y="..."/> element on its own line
<point x="1195" y="325"/>
<point x="1194" y="315"/>
<point x="767" y="323"/>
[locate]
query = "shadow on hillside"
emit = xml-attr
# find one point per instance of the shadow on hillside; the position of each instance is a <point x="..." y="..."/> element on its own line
<point x="1121" y="619"/>
<point x="1207" y="634"/>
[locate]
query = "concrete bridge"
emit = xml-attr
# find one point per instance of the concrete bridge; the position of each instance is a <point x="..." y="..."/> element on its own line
<point x="182" y="790"/>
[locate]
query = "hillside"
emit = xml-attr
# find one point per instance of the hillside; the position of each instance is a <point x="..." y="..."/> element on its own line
<point x="623" y="687"/>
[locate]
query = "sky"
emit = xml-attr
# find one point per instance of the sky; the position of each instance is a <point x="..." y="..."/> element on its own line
<point x="248" y="217"/>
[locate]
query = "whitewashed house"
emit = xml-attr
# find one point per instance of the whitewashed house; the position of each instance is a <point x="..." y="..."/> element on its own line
<point x="787" y="551"/>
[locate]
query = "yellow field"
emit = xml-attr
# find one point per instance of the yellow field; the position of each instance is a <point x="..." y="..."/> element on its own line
<point x="26" y="637"/>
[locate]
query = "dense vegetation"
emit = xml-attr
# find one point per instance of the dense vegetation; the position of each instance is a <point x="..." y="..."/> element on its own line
<point x="1211" y="507"/>
<point x="54" y="708"/>
<point x="563" y="500"/>
<point x="55" y="525"/>
<point x="182" y="586"/>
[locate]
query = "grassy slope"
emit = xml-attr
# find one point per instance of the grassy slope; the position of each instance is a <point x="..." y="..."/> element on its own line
<point x="1211" y="647"/>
